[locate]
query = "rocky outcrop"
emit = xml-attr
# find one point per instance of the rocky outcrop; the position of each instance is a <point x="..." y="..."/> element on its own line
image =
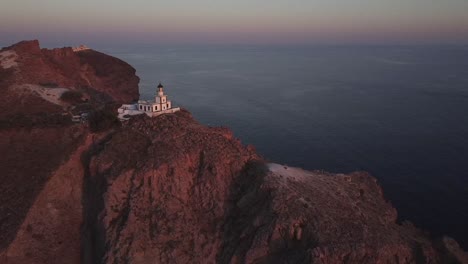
<point x="40" y="165"/>
<point x="30" y="156"/>
<point x="170" y="190"/>
<point x="173" y="190"/>
<point x="51" y="228"/>
<point x="318" y="217"/>
<point x="167" y="189"/>
<point x="166" y="182"/>
<point x="100" y="77"/>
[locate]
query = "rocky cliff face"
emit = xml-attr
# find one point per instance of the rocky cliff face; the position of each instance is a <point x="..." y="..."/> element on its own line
<point x="172" y="190"/>
<point x="30" y="75"/>
<point x="40" y="161"/>
<point x="166" y="182"/>
<point x="169" y="190"/>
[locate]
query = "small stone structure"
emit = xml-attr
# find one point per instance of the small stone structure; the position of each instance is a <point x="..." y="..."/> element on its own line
<point x="160" y="105"/>
<point x="80" y="48"/>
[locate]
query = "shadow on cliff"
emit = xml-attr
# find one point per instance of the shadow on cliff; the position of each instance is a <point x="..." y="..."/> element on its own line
<point x="27" y="162"/>
<point x="92" y="230"/>
<point x="246" y="202"/>
<point x="250" y="221"/>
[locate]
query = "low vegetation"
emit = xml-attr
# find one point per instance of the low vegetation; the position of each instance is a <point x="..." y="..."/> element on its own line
<point x="72" y="97"/>
<point x="49" y="84"/>
<point x="36" y="120"/>
<point x="101" y="120"/>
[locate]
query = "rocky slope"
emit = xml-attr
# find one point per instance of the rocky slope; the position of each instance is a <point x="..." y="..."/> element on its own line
<point x="37" y="137"/>
<point x="29" y="76"/>
<point x="170" y="190"/>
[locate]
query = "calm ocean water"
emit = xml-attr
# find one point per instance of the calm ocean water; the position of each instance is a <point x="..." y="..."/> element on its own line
<point x="400" y="113"/>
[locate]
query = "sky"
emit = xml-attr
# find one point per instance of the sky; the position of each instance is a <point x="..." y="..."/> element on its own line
<point x="235" y="21"/>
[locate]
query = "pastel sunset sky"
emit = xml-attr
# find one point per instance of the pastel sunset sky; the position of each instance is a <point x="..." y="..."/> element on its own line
<point x="240" y="21"/>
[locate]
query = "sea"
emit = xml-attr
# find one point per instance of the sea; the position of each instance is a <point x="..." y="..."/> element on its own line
<point x="397" y="112"/>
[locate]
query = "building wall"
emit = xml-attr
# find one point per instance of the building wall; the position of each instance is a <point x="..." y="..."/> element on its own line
<point x="160" y="99"/>
<point x="129" y="106"/>
<point x="169" y="111"/>
<point x="161" y="104"/>
<point x="145" y="107"/>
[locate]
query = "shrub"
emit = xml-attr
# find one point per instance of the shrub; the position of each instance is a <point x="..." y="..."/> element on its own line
<point x="49" y="84"/>
<point x="72" y="97"/>
<point x="100" y="120"/>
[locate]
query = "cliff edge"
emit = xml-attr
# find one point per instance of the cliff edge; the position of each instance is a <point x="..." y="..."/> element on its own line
<point x="170" y="190"/>
<point x="40" y="91"/>
<point x="173" y="190"/>
<point x="32" y="80"/>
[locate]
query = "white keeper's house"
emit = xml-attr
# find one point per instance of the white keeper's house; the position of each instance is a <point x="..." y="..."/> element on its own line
<point x="160" y="105"/>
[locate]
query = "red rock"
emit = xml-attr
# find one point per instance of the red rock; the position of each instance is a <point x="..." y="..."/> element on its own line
<point x="102" y="77"/>
<point x="178" y="191"/>
<point x="170" y="190"/>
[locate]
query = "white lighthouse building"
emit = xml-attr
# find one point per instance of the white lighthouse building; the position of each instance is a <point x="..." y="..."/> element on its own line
<point x="160" y="105"/>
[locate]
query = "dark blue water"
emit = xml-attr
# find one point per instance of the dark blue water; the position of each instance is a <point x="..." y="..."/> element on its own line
<point x="400" y="113"/>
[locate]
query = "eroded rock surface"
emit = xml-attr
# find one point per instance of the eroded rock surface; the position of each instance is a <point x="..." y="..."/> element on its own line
<point x="164" y="185"/>
<point x="168" y="189"/>
<point x="30" y="156"/>
<point x="41" y="171"/>
<point x="100" y="77"/>
<point x="175" y="191"/>
<point x="51" y="229"/>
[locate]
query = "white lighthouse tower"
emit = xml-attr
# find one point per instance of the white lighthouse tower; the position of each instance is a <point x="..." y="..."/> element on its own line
<point x="161" y="99"/>
<point x="161" y="105"/>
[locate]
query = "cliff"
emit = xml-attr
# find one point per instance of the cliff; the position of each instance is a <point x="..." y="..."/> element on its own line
<point x="170" y="190"/>
<point x="37" y="136"/>
<point x="173" y="190"/>
<point x="32" y="79"/>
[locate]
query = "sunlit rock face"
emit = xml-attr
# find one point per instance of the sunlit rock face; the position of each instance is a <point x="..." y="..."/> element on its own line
<point x="40" y="163"/>
<point x="168" y="189"/>
<point x="40" y="197"/>
<point x="172" y="189"/>
<point x="101" y="77"/>
<point x="166" y="184"/>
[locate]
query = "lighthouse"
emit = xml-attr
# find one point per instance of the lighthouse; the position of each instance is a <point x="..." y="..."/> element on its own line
<point x="161" y="99"/>
<point x="160" y="105"/>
